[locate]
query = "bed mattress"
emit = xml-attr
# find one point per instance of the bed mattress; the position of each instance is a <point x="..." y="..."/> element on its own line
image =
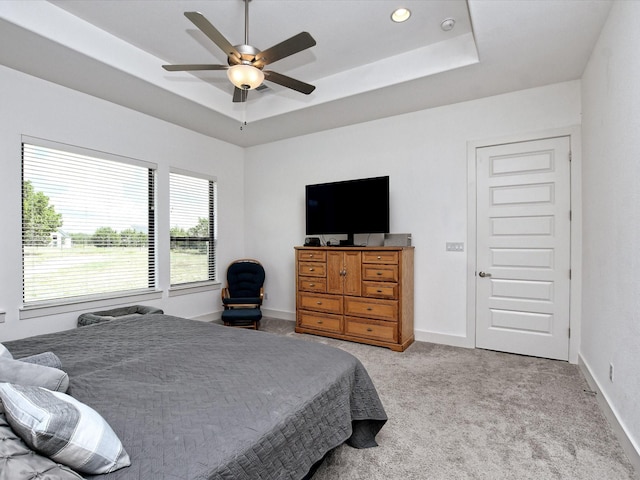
<point x="193" y="400"/>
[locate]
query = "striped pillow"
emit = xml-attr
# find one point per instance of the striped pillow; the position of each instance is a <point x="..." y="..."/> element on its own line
<point x="19" y="462"/>
<point x="63" y="429"/>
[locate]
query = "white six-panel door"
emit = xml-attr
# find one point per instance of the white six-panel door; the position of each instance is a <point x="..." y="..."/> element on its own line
<point x="523" y="247"/>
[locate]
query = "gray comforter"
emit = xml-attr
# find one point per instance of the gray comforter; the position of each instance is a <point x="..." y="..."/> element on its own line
<point x="193" y="400"/>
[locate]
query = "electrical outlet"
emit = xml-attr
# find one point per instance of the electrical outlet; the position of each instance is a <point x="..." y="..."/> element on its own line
<point x="455" y="247"/>
<point x="611" y="372"/>
<point x="266" y="295"/>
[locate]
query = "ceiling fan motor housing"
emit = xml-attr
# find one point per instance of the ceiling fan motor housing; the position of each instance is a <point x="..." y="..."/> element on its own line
<point x="248" y="56"/>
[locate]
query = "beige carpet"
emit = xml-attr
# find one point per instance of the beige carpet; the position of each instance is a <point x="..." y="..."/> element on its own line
<point x="458" y="413"/>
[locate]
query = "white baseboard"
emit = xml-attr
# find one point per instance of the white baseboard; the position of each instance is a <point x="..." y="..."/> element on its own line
<point x="629" y="447"/>
<point x="443" y="338"/>
<point x="281" y="314"/>
<point x="209" y="317"/>
<point x="421" y="335"/>
<point x="216" y="316"/>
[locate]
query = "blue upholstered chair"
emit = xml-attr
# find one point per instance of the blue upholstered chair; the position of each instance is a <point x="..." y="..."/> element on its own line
<point x="243" y="295"/>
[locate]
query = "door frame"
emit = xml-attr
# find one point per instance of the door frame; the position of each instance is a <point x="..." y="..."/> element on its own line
<point x="575" y="289"/>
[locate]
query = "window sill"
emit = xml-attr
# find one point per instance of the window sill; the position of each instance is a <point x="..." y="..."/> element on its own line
<point x="196" y="287"/>
<point x="96" y="303"/>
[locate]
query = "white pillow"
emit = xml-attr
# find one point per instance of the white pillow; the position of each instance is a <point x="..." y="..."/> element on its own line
<point x="23" y="373"/>
<point x="4" y="352"/>
<point x="48" y="359"/>
<point x="62" y="428"/>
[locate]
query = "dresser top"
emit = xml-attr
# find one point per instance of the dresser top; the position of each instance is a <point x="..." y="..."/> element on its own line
<point x="355" y="247"/>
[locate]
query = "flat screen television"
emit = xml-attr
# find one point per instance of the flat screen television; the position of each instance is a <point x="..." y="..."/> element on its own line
<point x="348" y="207"/>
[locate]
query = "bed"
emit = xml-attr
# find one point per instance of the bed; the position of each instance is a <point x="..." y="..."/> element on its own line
<point x="193" y="400"/>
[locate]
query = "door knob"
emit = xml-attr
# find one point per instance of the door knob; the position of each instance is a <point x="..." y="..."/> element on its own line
<point x="483" y="274"/>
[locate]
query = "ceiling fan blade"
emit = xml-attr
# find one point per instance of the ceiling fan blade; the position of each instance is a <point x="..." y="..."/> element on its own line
<point x="295" y="44"/>
<point x="239" y="95"/>
<point x="187" y="67"/>
<point x="288" y="82"/>
<point x="210" y="31"/>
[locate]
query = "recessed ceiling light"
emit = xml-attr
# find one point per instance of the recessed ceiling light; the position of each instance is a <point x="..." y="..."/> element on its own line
<point x="401" y="15"/>
<point x="448" y="24"/>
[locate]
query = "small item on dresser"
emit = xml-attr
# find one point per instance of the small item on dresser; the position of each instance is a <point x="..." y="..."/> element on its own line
<point x="312" y="242"/>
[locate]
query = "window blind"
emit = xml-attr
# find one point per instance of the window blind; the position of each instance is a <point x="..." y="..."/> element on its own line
<point x="87" y="224"/>
<point x="193" y="230"/>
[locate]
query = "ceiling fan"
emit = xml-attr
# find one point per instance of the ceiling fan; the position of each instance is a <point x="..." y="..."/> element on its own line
<point x="246" y="63"/>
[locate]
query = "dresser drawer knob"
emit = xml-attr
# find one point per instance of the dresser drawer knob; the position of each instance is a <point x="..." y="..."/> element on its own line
<point x="312" y="284"/>
<point x="379" y="291"/>
<point x="369" y="309"/>
<point x="378" y="273"/>
<point x="369" y="329"/>
<point x="311" y="269"/>
<point x="318" y="303"/>
<point x="379" y="257"/>
<point x="320" y="322"/>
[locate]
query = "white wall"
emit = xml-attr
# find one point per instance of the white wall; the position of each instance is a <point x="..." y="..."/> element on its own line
<point x="611" y="218"/>
<point x="425" y="154"/>
<point x="41" y="109"/>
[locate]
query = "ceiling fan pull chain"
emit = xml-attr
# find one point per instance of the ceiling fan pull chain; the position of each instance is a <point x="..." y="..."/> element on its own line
<point x="243" y="121"/>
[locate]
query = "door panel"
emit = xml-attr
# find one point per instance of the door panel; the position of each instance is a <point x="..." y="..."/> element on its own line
<point x="344" y="273"/>
<point x="522" y="257"/>
<point x="523" y="240"/>
<point x="542" y="225"/>
<point x="522" y="289"/>
<point x="335" y="267"/>
<point x="523" y="321"/>
<point x="353" y="273"/>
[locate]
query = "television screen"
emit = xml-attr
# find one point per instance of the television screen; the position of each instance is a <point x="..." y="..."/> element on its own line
<point x="348" y="207"/>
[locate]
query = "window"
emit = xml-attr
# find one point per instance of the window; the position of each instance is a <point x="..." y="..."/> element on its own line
<point x="193" y="228"/>
<point x="87" y="223"/>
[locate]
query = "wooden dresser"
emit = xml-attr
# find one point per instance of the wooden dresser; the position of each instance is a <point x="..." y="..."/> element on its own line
<point x="362" y="294"/>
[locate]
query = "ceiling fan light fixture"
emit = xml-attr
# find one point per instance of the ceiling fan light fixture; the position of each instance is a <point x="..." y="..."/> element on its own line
<point x="401" y="15"/>
<point x="245" y="77"/>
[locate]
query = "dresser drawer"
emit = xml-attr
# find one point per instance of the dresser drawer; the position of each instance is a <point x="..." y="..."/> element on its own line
<point x="380" y="273"/>
<point x="380" y="257"/>
<point x="372" y="329"/>
<point x="312" y="269"/>
<point x="370" y="308"/>
<point x="380" y="290"/>
<point x="312" y="255"/>
<point x="320" y="303"/>
<point x="318" y="321"/>
<point x="312" y="284"/>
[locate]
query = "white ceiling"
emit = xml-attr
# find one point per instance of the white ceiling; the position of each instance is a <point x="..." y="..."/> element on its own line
<point x="364" y="66"/>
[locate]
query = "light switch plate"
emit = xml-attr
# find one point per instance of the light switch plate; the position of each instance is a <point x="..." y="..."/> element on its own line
<point x="455" y="246"/>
